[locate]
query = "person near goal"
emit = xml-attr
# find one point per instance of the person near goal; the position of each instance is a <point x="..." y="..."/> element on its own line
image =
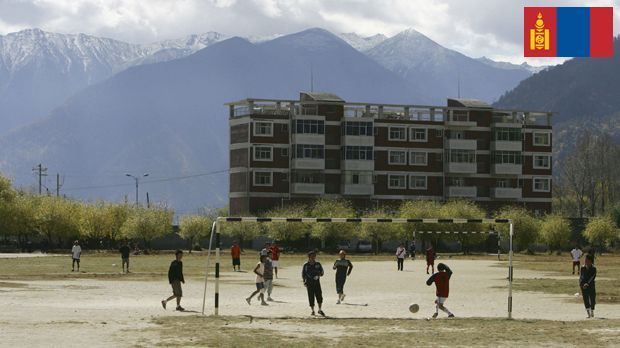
<point x="175" y="278"/>
<point x="576" y="254"/>
<point x="268" y="273"/>
<point x="76" y="253"/>
<point x="311" y="274"/>
<point x="235" y="253"/>
<point x="401" y="253"/>
<point x="124" y="250"/>
<point x="587" y="284"/>
<point x="442" y="284"/>
<point x="259" y="270"/>
<point x="430" y="258"/>
<point x="343" y="269"/>
<point x="275" y="256"/>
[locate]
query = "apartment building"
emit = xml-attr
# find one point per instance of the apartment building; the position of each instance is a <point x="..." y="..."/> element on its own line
<point x="287" y="151"/>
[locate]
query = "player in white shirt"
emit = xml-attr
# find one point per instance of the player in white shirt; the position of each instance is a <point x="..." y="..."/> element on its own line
<point x="76" y="252"/>
<point x="576" y="254"/>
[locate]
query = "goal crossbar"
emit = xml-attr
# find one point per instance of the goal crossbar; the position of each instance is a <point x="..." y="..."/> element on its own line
<point x="215" y="231"/>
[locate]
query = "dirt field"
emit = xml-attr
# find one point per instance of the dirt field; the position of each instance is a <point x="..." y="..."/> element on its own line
<point x="81" y="310"/>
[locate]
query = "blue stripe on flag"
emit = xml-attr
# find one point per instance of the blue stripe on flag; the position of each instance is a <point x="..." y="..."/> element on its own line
<point x="573" y="32"/>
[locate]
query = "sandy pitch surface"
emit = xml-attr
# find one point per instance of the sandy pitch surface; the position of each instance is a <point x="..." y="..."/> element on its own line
<point x="110" y="312"/>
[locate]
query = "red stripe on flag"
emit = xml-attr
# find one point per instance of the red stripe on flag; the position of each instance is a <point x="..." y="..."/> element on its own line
<point x="546" y="33"/>
<point x="601" y="32"/>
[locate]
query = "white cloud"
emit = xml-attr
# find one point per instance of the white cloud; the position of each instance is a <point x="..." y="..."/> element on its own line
<point x="491" y="28"/>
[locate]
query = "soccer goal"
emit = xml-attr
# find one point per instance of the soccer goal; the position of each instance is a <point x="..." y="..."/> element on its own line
<point x="215" y="232"/>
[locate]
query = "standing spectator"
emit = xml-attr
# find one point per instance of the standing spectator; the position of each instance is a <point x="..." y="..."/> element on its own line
<point x="311" y="274"/>
<point x="412" y="249"/>
<point x="175" y="278"/>
<point x="275" y="256"/>
<point x="430" y="258"/>
<point x="576" y="257"/>
<point x="76" y="252"/>
<point x="401" y="253"/>
<point x="235" y="253"/>
<point x="268" y="274"/>
<point x="587" y="284"/>
<point x="259" y="270"/>
<point x="343" y="269"/>
<point x="124" y="250"/>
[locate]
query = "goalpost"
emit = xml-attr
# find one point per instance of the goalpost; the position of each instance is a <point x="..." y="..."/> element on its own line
<point x="216" y="229"/>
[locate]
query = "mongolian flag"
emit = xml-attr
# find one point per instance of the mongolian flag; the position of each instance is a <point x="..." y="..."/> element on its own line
<point x="568" y="31"/>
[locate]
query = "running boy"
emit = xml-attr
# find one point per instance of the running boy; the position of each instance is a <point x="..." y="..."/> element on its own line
<point x="576" y="254"/>
<point x="401" y="253"/>
<point x="430" y="258"/>
<point x="275" y="256"/>
<point x="124" y="250"/>
<point x="442" y="283"/>
<point x="268" y="273"/>
<point x="175" y="278"/>
<point x="235" y="253"/>
<point x="587" y="285"/>
<point x="311" y="274"/>
<point x="343" y="269"/>
<point x="259" y="270"/>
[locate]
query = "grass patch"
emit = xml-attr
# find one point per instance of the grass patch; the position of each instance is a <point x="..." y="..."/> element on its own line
<point x="239" y="331"/>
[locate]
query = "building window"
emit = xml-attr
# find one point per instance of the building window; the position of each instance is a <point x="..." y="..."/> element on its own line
<point x="357" y="153"/>
<point x="459" y="182"/>
<point x="417" y="182"/>
<point x="309" y="151"/>
<point x="284" y="152"/>
<point x="418" y="134"/>
<point x="308" y="177"/>
<point x="506" y="157"/>
<point x="358" y="178"/>
<point x="398" y="133"/>
<point x="462" y="156"/>
<point x="542" y="161"/>
<point x="263" y="129"/>
<point x="397" y="181"/>
<point x="456" y="134"/>
<point x="541" y="139"/>
<point x="309" y="127"/>
<point x="263" y="178"/>
<point x="460" y="116"/>
<point x="397" y="157"/>
<point x="357" y="128"/>
<point x="418" y="158"/>
<point x="263" y="153"/>
<point x="507" y="134"/>
<point x="502" y="183"/>
<point x="542" y="185"/>
<point x="439" y="133"/>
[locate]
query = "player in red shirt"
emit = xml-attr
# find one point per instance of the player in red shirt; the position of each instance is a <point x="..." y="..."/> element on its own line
<point x="235" y="253"/>
<point x="430" y="258"/>
<point x="275" y="256"/>
<point x="442" y="283"/>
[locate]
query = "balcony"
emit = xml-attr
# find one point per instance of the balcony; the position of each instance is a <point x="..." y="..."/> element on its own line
<point x="308" y="163"/>
<point x="506" y="169"/>
<point x="506" y="193"/>
<point x="462" y="191"/>
<point x="306" y="188"/>
<point x="310" y="139"/>
<point x="500" y="145"/>
<point x="462" y="144"/>
<point x="358" y="189"/>
<point x="357" y="140"/>
<point x="357" y="165"/>
<point x="462" y="167"/>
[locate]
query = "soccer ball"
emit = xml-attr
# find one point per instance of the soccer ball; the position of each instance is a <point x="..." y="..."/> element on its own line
<point x="414" y="308"/>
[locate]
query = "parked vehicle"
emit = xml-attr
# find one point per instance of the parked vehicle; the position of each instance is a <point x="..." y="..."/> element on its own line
<point x="343" y="245"/>
<point x="364" y="246"/>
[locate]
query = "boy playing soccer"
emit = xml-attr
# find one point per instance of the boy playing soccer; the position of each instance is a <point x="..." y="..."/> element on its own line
<point x="175" y="278"/>
<point x="442" y="283"/>
<point x="259" y="270"/>
<point x="587" y="285"/>
<point x="311" y="274"/>
<point x="576" y="256"/>
<point x="430" y="258"/>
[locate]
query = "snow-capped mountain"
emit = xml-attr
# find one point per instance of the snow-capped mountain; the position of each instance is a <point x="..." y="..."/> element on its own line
<point x="440" y="70"/>
<point x="362" y="43"/>
<point x="39" y="70"/>
<point x="511" y="66"/>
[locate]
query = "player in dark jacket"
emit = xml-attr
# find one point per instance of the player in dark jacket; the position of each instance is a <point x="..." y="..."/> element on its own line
<point x="587" y="284"/>
<point x="175" y="278"/>
<point x="442" y="283"/>
<point x="311" y="274"/>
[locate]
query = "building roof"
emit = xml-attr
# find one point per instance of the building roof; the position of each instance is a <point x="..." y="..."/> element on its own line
<point x="468" y="103"/>
<point x="321" y="96"/>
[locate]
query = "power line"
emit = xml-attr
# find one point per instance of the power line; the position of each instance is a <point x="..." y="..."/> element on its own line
<point x="146" y="181"/>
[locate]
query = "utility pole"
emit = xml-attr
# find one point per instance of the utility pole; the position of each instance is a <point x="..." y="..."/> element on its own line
<point x="41" y="172"/>
<point x="148" y="201"/>
<point x="137" y="179"/>
<point x="58" y="184"/>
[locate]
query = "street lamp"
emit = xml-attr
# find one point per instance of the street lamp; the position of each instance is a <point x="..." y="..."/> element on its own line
<point x="137" y="179"/>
